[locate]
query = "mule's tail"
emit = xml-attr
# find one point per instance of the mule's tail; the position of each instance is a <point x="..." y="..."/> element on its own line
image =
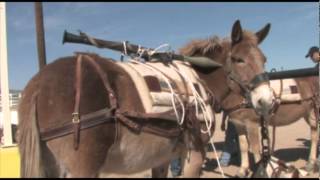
<point x="29" y="143"/>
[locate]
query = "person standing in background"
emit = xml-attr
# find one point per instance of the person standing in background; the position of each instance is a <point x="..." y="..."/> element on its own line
<point x="314" y="55"/>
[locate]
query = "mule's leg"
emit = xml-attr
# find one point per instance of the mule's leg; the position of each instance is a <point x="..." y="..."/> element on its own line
<point x="87" y="160"/>
<point x="50" y="162"/>
<point x="244" y="148"/>
<point x="314" y="140"/>
<point x="160" y="171"/>
<point x="192" y="164"/>
<point x="254" y="141"/>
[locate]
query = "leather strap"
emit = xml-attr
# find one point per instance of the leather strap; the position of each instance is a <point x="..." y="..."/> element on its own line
<point x="258" y="79"/>
<point x="76" y="124"/>
<point x="149" y="128"/>
<point x="242" y="105"/>
<point x="87" y="121"/>
<point x="75" y="114"/>
<point x="104" y="78"/>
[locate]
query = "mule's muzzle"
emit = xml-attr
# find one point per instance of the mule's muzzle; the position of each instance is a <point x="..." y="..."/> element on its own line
<point x="262" y="96"/>
<point x="258" y="80"/>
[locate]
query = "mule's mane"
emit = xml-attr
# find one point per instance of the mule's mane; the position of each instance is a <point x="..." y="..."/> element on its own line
<point x="200" y="46"/>
<point x="205" y="46"/>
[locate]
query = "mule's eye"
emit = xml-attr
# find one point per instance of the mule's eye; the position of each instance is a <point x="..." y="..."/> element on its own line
<point x="237" y="60"/>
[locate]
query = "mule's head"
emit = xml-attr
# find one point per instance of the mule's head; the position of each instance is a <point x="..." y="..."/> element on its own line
<point x="245" y="64"/>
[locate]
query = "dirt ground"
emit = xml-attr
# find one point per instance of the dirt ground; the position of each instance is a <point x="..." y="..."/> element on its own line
<point x="292" y="146"/>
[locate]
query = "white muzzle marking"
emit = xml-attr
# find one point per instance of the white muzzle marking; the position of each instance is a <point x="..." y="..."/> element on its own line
<point x="262" y="98"/>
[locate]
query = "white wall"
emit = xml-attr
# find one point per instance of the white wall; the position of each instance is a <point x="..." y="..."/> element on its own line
<point x="14" y="118"/>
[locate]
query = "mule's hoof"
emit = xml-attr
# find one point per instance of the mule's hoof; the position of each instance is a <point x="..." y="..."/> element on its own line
<point x="243" y="173"/>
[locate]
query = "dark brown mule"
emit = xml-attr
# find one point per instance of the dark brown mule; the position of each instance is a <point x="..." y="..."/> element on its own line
<point x="247" y="122"/>
<point x="241" y="57"/>
<point x="49" y="98"/>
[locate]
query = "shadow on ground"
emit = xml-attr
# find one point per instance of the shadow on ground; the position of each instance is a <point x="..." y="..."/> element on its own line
<point x="292" y="154"/>
<point x="285" y="154"/>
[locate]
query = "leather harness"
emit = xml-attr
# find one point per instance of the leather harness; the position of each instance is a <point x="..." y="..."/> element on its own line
<point x="110" y="115"/>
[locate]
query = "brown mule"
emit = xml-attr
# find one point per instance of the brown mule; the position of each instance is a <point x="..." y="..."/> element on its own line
<point x="247" y="121"/>
<point x="242" y="58"/>
<point x="49" y="98"/>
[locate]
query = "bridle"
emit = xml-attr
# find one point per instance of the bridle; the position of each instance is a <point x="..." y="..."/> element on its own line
<point x="245" y="87"/>
<point x="245" y="90"/>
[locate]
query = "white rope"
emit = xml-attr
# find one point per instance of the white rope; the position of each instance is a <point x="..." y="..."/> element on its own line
<point x="173" y="94"/>
<point x="204" y="112"/>
<point x="125" y="48"/>
<point x="198" y="100"/>
<point x="217" y="158"/>
<point x="160" y="47"/>
<point x="139" y="51"/>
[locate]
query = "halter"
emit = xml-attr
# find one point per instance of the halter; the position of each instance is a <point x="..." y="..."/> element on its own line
<point x="245" y="87"/>
<point x="248" y="87"/>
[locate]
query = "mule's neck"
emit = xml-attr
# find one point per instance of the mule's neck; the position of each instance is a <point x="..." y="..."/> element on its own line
<point x="217" y="83"/>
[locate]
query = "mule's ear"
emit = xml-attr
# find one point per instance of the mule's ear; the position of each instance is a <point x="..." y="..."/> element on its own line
<point x="236" y="34"/>
<point x="262" y="34"/>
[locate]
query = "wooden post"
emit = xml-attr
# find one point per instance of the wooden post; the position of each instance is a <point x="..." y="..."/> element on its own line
<point x="40" y="34"/>
<point x="6" y="118"/>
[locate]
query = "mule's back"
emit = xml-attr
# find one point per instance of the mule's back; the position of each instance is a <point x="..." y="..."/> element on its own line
<point x="295" y="89"/>
<point x="286" y="89"/>
<point x="156" y="83"/>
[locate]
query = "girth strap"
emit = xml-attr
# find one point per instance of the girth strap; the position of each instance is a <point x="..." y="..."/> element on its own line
<point x="87" y="121"/>
<point x="139" y="127"/>
<point x="106" y="116"/>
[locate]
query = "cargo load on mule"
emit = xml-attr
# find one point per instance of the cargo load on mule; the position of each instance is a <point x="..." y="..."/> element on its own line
<point x="159" y="84"/>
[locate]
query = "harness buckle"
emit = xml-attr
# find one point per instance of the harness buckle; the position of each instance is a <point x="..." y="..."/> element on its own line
<point x="75" y="117"/>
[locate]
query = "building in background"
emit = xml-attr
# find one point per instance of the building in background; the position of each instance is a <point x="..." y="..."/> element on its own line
<point x="14" y="98"/>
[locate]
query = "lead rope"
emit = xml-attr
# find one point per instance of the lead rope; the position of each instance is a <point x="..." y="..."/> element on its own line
<point x="204" y="112"/>
<point x="265" y="141"/>
<point x="261" y="166"/>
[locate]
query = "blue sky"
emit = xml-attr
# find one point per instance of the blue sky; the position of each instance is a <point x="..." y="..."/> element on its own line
<point x="294" y="28"/>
